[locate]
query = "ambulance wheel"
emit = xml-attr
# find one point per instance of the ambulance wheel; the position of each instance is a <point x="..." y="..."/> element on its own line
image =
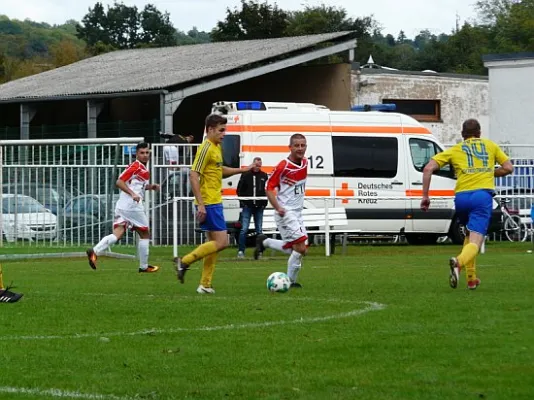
<point x="421" y="238"/>
<point x="457" y="232"/>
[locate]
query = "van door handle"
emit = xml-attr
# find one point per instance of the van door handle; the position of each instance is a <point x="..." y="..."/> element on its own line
<point x="397" y="183"/>
<point x="419" y="183"/>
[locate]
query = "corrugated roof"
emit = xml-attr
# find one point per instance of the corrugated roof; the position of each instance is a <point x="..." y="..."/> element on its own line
<point x="150" y="69"/>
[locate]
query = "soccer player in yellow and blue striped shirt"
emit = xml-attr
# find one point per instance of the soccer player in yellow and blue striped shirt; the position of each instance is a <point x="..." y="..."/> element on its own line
<point x="206" y="177"/>
<point x="474" y="162"/>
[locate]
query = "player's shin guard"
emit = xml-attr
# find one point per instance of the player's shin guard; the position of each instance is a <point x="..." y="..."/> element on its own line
<point x="471" y="268"/>
<point x="468" y="254"/>
<point x="294" y="263"/>
<point x="109" y="240"/>
<point x="142" y="252"/>
<point x="200" y="252"/>
<point x="208" y="270"/>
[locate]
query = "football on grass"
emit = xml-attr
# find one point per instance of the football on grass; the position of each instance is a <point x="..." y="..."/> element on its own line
<point x="278" y="282"/>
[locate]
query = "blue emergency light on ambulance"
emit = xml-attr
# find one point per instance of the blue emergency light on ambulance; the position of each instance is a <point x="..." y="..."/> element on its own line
<point x="250" y="105"/>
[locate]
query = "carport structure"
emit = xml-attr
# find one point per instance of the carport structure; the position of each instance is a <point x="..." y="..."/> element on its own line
<point x="175" y="86"/>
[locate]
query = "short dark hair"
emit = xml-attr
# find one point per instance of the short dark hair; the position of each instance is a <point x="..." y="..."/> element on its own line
<point x="296" y="136"/>
<point x="142" y="145"/>
<point x="213" y="120"/>
<point x="470" y="127"/>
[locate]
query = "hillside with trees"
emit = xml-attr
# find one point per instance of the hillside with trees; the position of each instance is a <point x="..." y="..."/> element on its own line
<point x="28" y="47"/>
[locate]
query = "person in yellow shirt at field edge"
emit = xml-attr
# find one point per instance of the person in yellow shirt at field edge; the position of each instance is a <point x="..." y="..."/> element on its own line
<point x="474" y="162"/>
<point x="207" y="173"/>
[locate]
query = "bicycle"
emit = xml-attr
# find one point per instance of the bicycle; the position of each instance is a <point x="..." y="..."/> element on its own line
<point x="514" y="229"/>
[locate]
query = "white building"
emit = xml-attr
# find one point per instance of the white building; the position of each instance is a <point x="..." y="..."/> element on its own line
<point x="440" y="101"/>
<point x="511" y="94"/>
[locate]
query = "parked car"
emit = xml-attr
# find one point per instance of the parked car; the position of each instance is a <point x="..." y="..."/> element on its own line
<point x="87" y="218"/>
<point x="23" y="217"/>
<point x="52" y="197"/>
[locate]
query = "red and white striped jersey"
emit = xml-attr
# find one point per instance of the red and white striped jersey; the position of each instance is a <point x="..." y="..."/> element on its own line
<point x="136" y="177"/>
<point x="289" y="179"/>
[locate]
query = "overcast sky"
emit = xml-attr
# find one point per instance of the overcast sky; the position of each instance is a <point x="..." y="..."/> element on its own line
<point x="412" y="16"/>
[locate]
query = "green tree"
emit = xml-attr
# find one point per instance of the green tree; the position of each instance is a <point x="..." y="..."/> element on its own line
<point x="157" y="29"/>
<point x="199" y="36"/>
<point x="465" y="49"/>
<point x="124" y="27"/>
<point x="94" y="27"/>
<point x="401" y="39"/>
<point x="253" y="21"/>
<point x="514" y="28"/>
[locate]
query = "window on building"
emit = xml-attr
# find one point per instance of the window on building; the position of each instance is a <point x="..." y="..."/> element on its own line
<point x="365" y="157"/>
<point x="422" y="151"/>
<point x="421" y="110"/>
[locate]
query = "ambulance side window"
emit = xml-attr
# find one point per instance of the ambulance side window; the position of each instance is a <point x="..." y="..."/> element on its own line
<point x="422" y="151"/>
<point x="365" y="157"/>
<point x="231" y="147"/>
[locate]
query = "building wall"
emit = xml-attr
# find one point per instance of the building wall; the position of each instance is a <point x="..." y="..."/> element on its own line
<point x="461" y="97"/>
<point x="511" y="93"/>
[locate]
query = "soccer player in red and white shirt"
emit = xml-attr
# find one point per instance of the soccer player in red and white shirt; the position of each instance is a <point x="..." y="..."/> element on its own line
<point x="285" y="191"/>
<point x="129" y="210"/>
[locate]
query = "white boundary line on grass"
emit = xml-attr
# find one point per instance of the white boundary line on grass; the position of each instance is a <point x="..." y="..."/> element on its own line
<point x="60" y="393"/>
<point x="371" y="306"/>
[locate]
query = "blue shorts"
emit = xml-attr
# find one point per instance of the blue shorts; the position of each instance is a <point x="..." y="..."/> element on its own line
<point x="214" y="219"/>
<point x="474" y="209"/>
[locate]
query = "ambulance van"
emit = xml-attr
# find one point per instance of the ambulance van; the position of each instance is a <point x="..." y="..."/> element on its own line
<point x="373" y="158"/>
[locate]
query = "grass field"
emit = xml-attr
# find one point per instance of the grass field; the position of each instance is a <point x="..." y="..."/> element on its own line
<point x="378" y="323"/>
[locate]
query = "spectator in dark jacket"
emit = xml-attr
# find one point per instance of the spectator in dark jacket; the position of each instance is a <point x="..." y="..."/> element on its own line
<point x="251" y="184"/>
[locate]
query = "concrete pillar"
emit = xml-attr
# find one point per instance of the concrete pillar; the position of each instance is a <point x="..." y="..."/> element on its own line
<point x="27" y="112"/>
<point x="171" y="105"/>
<point x="94" y="109"/>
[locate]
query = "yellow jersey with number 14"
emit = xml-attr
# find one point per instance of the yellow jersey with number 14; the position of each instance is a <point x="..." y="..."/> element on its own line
<point x="208" y="163"/>
<point x="474" y="162"/>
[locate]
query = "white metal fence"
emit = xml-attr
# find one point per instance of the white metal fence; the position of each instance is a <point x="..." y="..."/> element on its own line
<point x="63" y="192"/>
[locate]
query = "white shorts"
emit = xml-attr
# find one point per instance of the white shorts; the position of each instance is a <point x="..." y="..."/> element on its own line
<point x="291" y="228"/>
<point x="131" y="219"/>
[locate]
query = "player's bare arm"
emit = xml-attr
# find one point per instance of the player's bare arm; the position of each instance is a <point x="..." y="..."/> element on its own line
<point x="271" y="195"/>
<point x="152" y="186"/>
<point x="430" y="168"/>
<point x="505" y="169"/>
<point x="194" y="178"/>
<point x="124" y="187"/>
<point x="228" y="171"/>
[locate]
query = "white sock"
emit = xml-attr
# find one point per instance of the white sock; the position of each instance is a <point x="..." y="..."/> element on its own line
<point x="109" y="240"/>
<point x="293" y="266"/>
<point x="276" y="245"/>
<point x="142" y="251"/>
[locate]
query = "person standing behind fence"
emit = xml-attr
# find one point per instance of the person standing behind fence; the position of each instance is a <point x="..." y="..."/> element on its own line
<point x="129" y="210"/>
<point x="179" y="155"/>
<point x="251" y="184"/>
<point x="285" y="190"/>
<point x="474" y="162"/>
<point x="207" y="173"/>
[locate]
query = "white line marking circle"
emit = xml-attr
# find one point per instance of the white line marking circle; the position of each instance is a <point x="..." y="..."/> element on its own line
<point x="60" y="393"/>
<point x="370" y="306"/>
